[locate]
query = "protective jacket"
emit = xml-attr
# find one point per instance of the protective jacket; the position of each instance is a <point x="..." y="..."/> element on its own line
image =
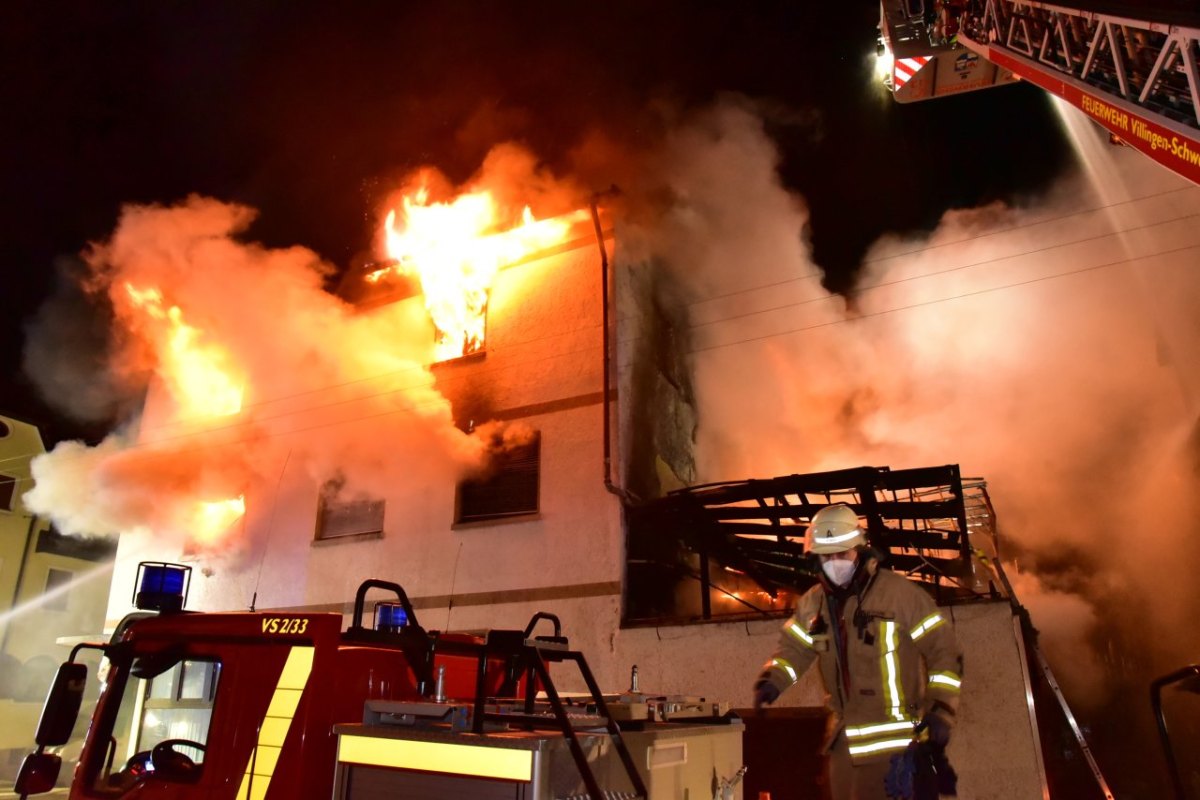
<point x="887" y="655"/>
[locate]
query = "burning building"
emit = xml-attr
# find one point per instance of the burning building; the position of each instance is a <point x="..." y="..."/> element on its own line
<point x="497" y="448"/>
<point x="515" y="505"/>
<point x="511" y="474"/>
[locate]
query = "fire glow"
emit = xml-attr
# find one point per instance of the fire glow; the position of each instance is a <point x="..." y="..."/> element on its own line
<point x="212" y="520"/>
<point x="455" y="250"/>
<point x="196" y="373"/>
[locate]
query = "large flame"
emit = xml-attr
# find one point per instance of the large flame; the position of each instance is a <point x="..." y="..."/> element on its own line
<point x="196" y="372"/>
<point x="211" y="521"/>
<point x="455" y="249"/>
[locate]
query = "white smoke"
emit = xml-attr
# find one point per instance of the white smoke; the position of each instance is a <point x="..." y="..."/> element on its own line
<point x="343" y="395"/>
<point x="1047" y="348"/>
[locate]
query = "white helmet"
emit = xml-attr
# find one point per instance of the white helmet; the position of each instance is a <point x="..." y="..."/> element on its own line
<point x="834" y="529"/>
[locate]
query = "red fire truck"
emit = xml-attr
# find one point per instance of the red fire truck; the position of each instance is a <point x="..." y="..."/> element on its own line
<point x="253" y="705"/>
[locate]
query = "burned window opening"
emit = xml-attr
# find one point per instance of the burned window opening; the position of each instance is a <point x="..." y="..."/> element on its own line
<point x="86" y="548"/>
<point x="471" y="340"/>
<point x="339" y="518"/>
<point x="509" y="489"/>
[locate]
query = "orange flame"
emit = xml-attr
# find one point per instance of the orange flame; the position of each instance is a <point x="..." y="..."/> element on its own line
<point x="455" y="251"/>
<point x="210" y="521"/>
<point x="195" y="372"/>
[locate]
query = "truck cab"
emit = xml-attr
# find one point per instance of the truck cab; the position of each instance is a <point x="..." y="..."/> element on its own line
<point x="243" y="704"/>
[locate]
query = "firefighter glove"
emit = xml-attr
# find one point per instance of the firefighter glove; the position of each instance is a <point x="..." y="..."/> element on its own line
<point x="937" y="728"/>
<point x="765" y="693"/>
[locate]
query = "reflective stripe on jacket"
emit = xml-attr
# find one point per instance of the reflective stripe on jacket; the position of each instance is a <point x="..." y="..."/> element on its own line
<point x="903" y="662"/>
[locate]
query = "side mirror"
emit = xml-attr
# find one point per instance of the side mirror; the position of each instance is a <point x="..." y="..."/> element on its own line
<point x="39" y="773"/>
<point x="62" y="705"/>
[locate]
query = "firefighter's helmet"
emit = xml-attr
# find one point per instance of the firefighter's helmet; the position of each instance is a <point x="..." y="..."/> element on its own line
<point x="834" y="529"/>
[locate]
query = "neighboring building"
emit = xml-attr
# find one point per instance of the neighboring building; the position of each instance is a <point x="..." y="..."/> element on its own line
<point x="51" y="586"/>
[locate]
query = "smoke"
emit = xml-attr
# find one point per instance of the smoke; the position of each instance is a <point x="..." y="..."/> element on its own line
<point x="1046" y="347"/>
<point x="249" y="368"/>
<point x="66" y="353"/>
<point x="1049" y="347"/>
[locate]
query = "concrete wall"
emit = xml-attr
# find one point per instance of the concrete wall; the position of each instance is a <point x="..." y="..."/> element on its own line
<point x="994" y="748"/>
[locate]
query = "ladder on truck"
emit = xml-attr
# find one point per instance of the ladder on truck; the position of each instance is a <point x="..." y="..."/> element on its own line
<point x="1135" y="72"/>
<point x="526" y="655"/>
<point x="531" y="655"/>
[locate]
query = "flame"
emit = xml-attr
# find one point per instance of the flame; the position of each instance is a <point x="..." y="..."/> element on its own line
<point x="211" y="520"/>
<point x="195" y="372"/>
<point x="455" y="251"/>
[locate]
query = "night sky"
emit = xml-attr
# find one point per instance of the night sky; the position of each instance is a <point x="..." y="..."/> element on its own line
<point x="312" y="113"/>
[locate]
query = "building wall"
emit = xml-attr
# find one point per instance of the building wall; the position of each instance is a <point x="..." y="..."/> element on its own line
<point x="27" y="562"/>
<point x="31" y="621"/>
<point x="19" y="443"/>
<point x="542" y="369"/>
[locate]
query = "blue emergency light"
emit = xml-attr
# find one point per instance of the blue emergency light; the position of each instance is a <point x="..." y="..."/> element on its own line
<point x="162" y="587"/>
<point x="390" y="617"/>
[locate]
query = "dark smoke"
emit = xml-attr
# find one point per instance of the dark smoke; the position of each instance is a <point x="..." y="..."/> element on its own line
<point x="68" y="343"/>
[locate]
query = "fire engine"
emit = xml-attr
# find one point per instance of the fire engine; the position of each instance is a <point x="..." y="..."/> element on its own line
<point x="261" y="705"/>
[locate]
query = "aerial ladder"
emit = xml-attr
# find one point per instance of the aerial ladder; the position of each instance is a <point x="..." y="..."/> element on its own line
<point x="1137" y="77"/>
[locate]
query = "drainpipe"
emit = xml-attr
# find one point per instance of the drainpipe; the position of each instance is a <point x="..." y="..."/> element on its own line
<point x="608" y="481"/>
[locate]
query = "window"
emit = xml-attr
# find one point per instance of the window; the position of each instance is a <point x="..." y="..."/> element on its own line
<point x="160" y="702"/>
<point x="92" y="548"/>
<point x="8" y="489"/>
<point x="470" y="341"/>
<point x="508" y="489"/>
<point x="57" y="581"/>
<point x="338" y="518"/>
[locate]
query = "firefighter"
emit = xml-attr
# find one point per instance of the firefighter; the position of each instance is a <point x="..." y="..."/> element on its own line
<point x="889" y="659"/>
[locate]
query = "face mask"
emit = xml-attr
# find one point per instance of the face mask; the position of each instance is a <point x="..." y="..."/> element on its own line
<point x="840" y="571"/>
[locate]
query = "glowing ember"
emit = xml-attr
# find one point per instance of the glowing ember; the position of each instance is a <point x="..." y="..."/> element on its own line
<point x="455" y="250"/>
<point x="195" y="372"/>
<point x="211" y="521"/>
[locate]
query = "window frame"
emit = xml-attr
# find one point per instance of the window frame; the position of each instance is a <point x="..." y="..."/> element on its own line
<point x="327" y="501"/>
<point x="62" y="601"/>
<point x="10" y="481"/>
<point x="462" y="519"/>
<point x="139" y="701"/>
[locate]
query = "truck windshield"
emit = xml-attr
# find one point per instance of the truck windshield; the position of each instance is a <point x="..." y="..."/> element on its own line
<point x="160" y="728"/>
